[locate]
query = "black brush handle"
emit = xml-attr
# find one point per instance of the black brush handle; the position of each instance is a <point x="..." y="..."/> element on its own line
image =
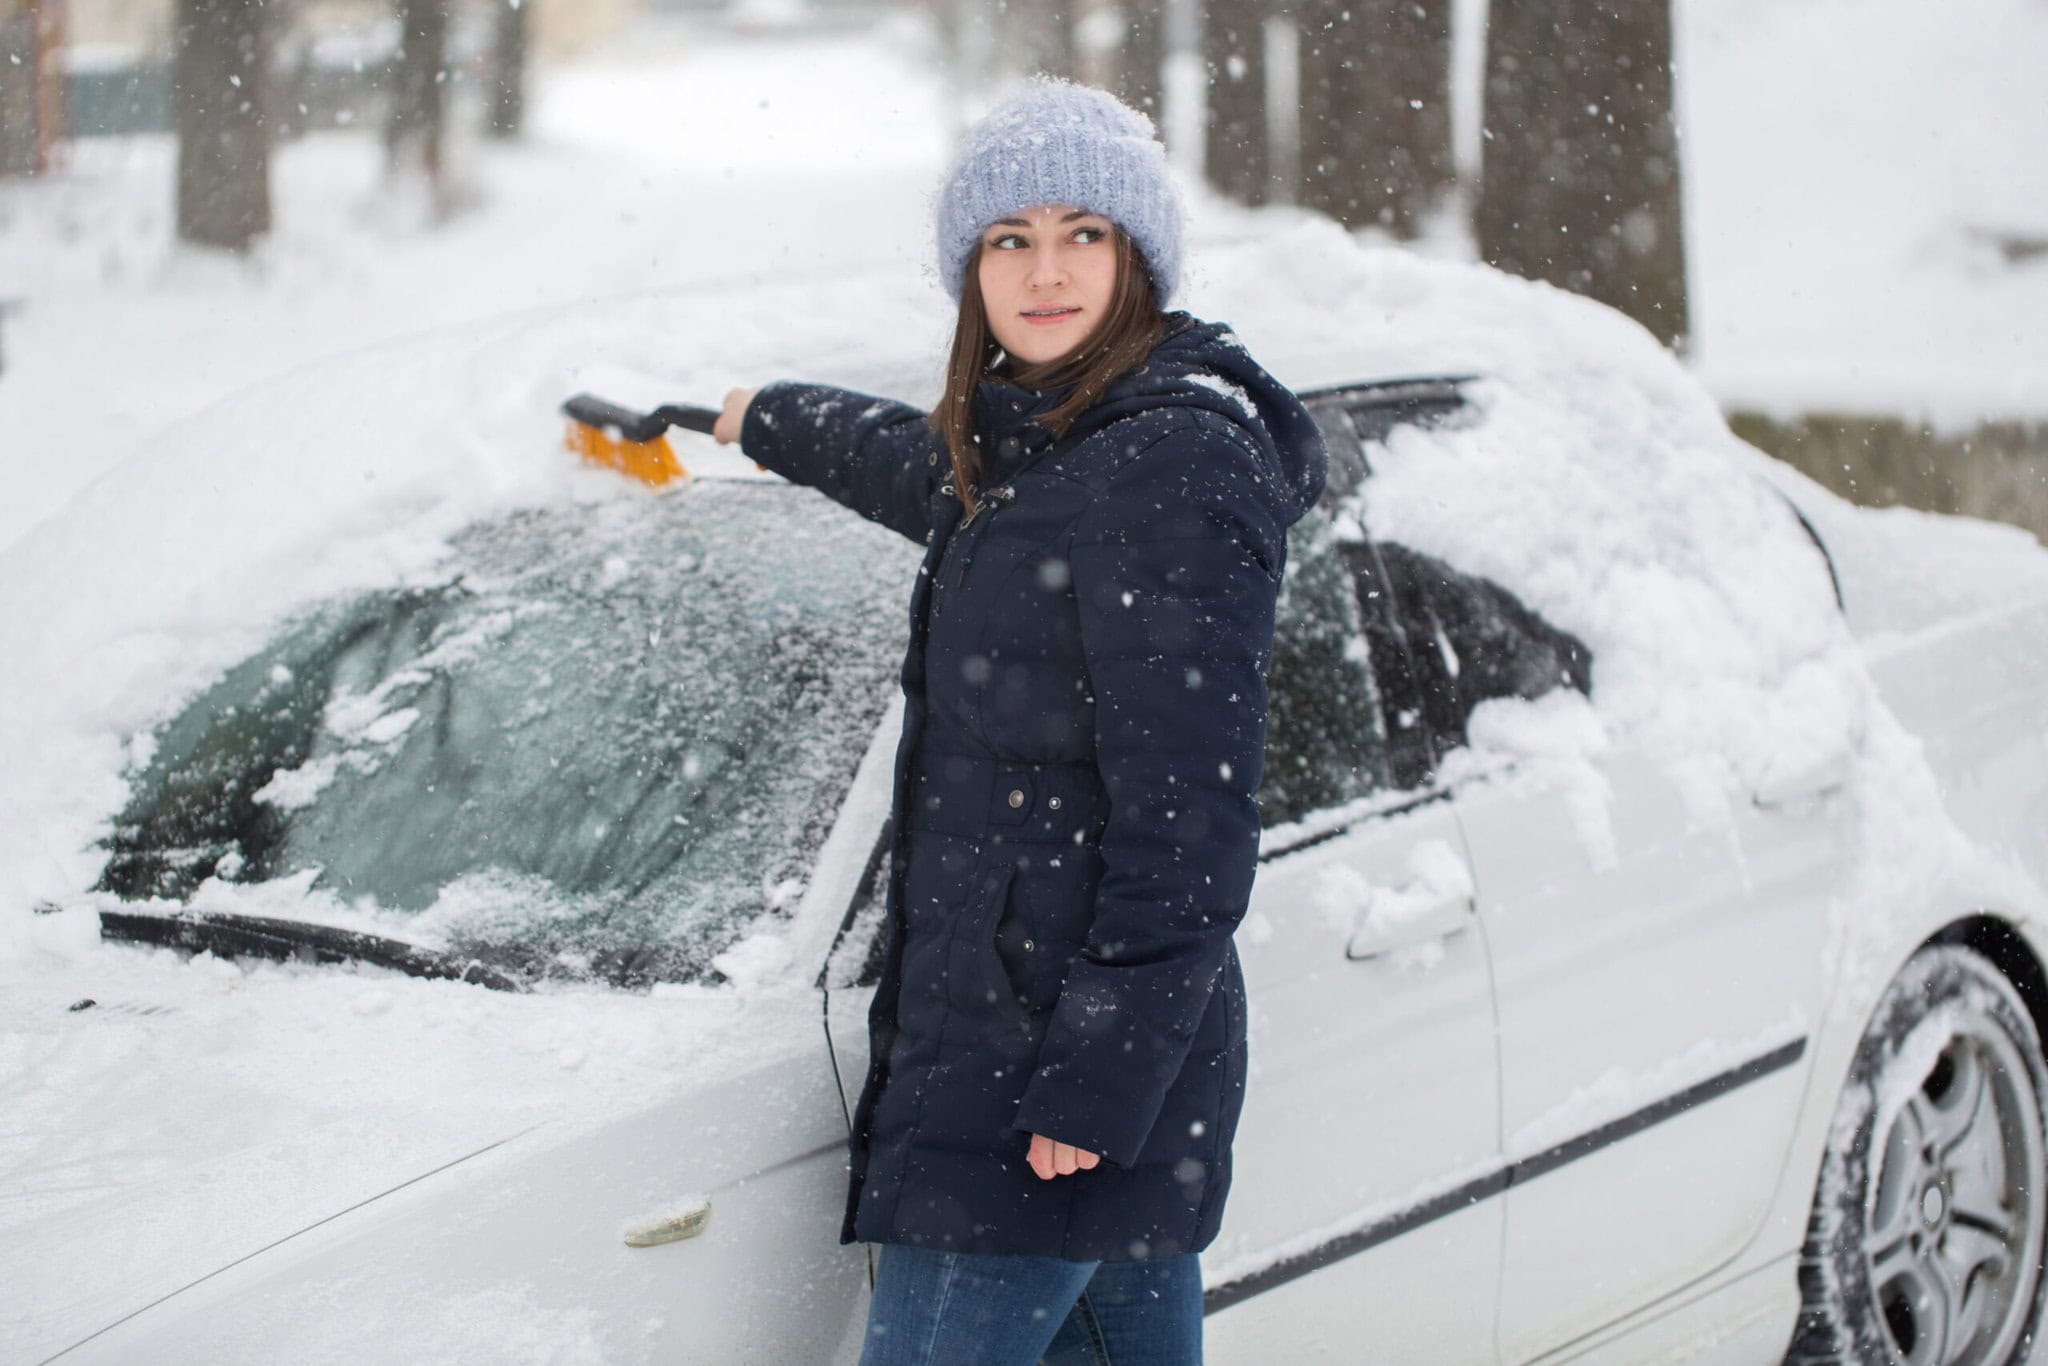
<point x="634" y="425"/>
<point x="688" y="416"/>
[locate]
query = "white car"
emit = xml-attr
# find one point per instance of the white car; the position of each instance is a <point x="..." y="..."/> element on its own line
<point x="1645" y="960"/>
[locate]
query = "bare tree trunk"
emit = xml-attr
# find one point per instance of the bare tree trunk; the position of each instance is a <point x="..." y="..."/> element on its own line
<point x="17" y="89"/>
<point x="966" y="37"/>
<point x="417" y="123"/>
<point x="219" y="68"/>
<point x="1140" y="55"/>
<point x="1331" y="93"/>
<point x="1580" y="181"/>
<point x="32" y="121"/>
<point x="1039" y="36"/>
<point x="508" y="69"/>
<point x="1376" y="116"/>
<point x="48" y="16"/>
<point x="1237" y="159"/>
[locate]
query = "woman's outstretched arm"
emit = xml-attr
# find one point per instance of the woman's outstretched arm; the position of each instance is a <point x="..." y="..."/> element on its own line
<point x="875" y="455"/>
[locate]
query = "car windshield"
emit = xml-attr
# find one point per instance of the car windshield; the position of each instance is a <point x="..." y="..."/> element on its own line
<point x="605" y="742"/>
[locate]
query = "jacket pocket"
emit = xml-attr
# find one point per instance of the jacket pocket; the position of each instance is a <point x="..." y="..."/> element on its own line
<point x="1044" y="923"/>
<point x="1018" y="952"/>
<point x="982" y="984"/>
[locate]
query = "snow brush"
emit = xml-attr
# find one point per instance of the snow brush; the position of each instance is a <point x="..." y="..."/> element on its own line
<point x="630" y="441"/>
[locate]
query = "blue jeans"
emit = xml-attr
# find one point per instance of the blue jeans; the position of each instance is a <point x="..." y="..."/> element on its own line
<point x="972" y="1309"/>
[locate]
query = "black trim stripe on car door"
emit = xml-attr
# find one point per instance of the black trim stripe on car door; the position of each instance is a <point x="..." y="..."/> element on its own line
<point x="1492" y="1183"/>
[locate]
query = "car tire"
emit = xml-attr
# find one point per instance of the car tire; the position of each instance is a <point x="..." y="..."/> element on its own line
<point x="1925" y="1243"/>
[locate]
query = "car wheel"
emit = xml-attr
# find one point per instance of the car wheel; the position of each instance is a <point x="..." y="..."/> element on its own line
<point x="1925" y="1243"/>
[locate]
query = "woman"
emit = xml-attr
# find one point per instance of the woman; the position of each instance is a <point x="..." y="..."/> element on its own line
<point x="1104" y="491"/>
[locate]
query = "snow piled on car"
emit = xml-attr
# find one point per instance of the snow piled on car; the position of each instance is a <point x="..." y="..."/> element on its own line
<point x="1596" y="480"/>
<point x="1620" y="509"/>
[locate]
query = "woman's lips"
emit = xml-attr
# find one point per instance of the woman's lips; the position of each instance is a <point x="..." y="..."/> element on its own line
<point x="1048" y="319"/>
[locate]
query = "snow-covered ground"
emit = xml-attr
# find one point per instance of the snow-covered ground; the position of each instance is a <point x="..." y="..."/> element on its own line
<point x="676" y="156"/>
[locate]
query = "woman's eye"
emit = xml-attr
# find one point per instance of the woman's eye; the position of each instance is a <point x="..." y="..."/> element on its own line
<point x="1009" y="241"/>
<point x="1086" y="235"/>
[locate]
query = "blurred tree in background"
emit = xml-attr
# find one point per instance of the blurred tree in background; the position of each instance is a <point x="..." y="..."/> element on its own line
<point x="1341" y="106"/>
<point x="1039" y="36"/>
<point x="507" y="117"/>
<point x="31" y="85"/>
<point x="1581" y="181"/>
<point x="1376" y="112"/>
<point x="415" y="128"/>
<point x="229" y="78"/>
<point x="17" y="89"/>
<point x="1344" y="106"/>
<point x="220" y="68"/>
<point x="1238" y="148"/>
<point x="1138" y="55"/>
<point x="1118" y="46"/>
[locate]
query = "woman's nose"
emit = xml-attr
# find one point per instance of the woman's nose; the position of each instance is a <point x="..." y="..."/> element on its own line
<point x="1048" y="267"/>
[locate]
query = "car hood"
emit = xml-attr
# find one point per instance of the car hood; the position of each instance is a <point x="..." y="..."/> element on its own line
<point x="305" y="1097"/>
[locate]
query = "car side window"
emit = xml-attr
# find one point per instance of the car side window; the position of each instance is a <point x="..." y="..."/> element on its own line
<point x="1437" y="642"/>
<point x="1324" y="741"/>
<point x="1407" y="685"/>
<point x="1442" y="642"/>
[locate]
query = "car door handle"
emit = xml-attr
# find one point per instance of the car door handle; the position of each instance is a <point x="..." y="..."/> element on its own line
<point x="1798" y="783"/>
<point x="1416" y="913"/>
<point x="688" y="1219"/>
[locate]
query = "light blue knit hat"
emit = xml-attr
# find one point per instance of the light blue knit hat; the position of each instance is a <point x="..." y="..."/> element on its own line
<point x="1055" y="142"/>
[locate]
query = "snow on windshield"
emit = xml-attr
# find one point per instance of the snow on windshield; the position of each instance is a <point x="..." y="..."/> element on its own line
<point x="610" y="738"/>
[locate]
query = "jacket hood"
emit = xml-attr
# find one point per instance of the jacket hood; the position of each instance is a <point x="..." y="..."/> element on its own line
<point x="1196" y="365"/>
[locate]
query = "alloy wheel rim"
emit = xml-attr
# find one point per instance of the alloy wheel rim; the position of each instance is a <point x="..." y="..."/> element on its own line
<point x="1953" y="1220"/>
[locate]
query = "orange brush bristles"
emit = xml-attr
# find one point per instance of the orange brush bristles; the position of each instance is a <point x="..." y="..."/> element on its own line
<point x="651" y="462"/>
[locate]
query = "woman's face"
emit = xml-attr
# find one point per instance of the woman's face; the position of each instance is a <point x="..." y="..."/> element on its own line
<point x="1047" y="276"/>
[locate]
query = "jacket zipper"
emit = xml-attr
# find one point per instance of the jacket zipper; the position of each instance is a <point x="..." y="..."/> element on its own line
<point x="1001" y="493"/>
<point x="993" y="498"/>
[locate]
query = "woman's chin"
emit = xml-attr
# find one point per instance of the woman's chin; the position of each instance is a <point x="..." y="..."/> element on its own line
<point x="1044" y="350"/>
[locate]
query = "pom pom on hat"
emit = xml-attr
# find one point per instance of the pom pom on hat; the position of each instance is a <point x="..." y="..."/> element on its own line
<point x="1055" y="142"/>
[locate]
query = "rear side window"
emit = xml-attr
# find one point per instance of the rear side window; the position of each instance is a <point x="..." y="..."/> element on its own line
<point x="1437" y="642"/>
<point x="1442" y="642"/>
<point x="1380" y="652"/>
<point x="1324" y="742"/>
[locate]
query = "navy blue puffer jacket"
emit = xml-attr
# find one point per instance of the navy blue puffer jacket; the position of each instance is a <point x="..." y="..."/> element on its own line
<point x="1074" y="827"/>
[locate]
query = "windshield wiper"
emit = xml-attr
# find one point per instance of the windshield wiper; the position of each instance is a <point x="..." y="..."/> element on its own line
<point x="228" y="935"/>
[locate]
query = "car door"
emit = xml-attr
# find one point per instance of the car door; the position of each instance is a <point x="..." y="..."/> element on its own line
<point x="1657" y="972"/>
<point x="1357" y="1227"/>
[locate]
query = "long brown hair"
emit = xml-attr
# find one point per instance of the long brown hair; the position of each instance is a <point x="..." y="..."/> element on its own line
<point x="1126" y="335"/>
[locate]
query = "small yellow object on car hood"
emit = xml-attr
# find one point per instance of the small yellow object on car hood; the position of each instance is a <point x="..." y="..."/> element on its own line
<point x="687" y="1220"/>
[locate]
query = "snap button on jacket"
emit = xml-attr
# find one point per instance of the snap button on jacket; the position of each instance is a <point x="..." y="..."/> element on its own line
<point x="1074" y="829"/>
